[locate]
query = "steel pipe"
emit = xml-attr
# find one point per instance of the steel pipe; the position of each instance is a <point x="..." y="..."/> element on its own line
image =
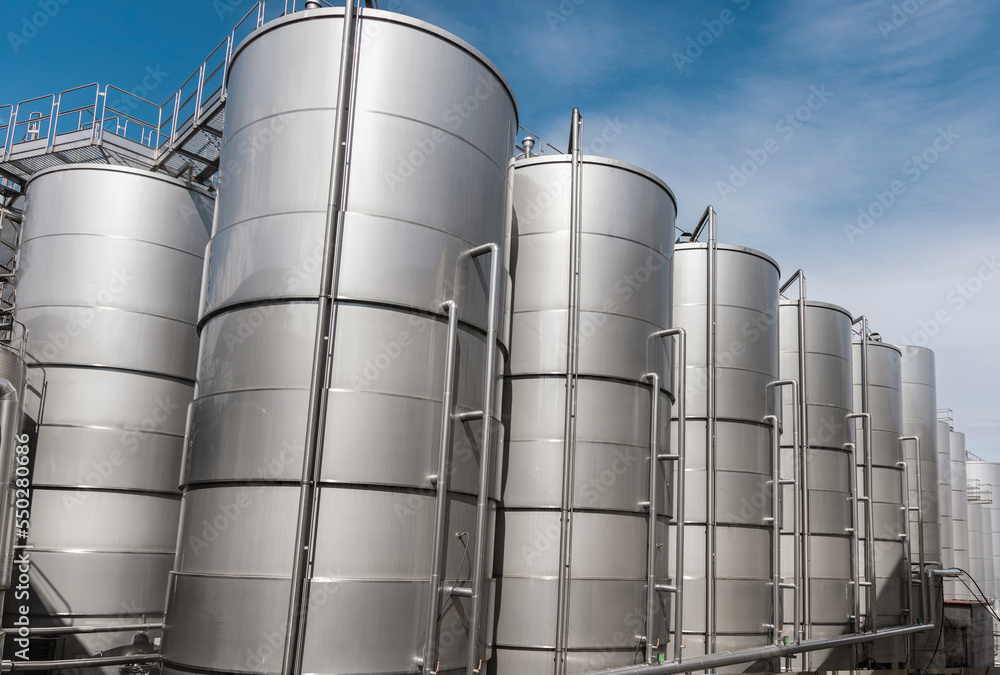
<point x="775" y="526"/>
<point x="322" y="349"/>
<point x="721" y="659"/>
<point x="79" y="630"/>
<point x="482" y="505"/>
<point x="924" y="600"/>
<point x="866" y="425"/>
<point x="438" y="553"/>
<point x="796" y="487"/>
<point x="905" y="480"/>
<point x="681" y="388"/>
<point x="572" y="375"/>
<point x="855" y="541"/>
<point x="65" y="664"/>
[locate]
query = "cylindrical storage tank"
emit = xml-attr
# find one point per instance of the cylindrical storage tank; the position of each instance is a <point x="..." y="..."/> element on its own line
<point x="624" y="230"/>
<point x="944" y="492"/>
<point x="14" y="455"/>
<point x="827" y="531"/>
<point x="977" y="563"/>
<point x="988" y="473"/>
<point x="108" y="279"/>
<point x="920" y="420"/>
<point x="728" y="567"/>
<point x="402" y="230"/>
<point x="885" y="405"/>
<point x="953" y="588"/>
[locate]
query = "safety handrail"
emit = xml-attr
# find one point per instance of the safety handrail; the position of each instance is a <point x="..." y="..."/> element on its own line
<point x="907" y="563"/>
<point x="796" y="484"/>
<point x="441" y="479"/>
<point x="924" y="600"/>
<point x="210" y="75"/>
<point x="655" y="458"/>
<point x="118" y="115"/>
<point x="35" y="119"/>
<point x="870" y="575"/>
<point x="6" y="128"/>
<point x="485" y="453"/>
<point x="90" y="108"/>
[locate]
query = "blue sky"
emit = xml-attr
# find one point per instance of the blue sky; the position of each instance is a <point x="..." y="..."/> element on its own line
<point x="858" y="140"/>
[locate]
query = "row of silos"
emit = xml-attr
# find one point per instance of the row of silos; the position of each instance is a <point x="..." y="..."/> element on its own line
<point x="424" y="436"/>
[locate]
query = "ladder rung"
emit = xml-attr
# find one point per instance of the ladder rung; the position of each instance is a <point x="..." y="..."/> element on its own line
<point x="668" y="458"/>
<point x="469" y="416"/>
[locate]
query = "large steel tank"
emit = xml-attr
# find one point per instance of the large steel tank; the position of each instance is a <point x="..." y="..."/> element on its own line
<point x="944" y="490"/>
<point x="359" y="198"/>
<point x="954" y="588"/>
<point x="988" y="474"/>
<point x="920" y="420"/>
<point x="108" y="280"/>
<point x="577" y="493"/>
<point x="14" y="469"/>
<point x="729" y="535"/>
<point x="882" y="398"/>
<point x="826" y="596"/>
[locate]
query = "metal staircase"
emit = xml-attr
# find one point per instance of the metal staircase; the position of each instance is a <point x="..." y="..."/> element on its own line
<point x="91" y="124"/>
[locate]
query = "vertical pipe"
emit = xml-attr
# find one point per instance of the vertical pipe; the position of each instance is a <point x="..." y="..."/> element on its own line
<point x="905" y="481"/>
<point x="866" y="425"/>
<point x="711" y="450"/>
<point x="681" y="365"/>
<point x="679" y="513"/>
<point x="438" y="557"/>
<point x="322" y="348"/>
<point x="482" y="505"/>
<point x="775" y="528"/>
<point x="654" y="465"/>
<point x="569" y="420"/>
<point x="855" y="541"/>
<point x="924" y="601"/>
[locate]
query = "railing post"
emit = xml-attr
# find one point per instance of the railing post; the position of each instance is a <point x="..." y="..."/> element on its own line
<point x="474" y="663"/>
<point x="654" y="459"/>
<point x="438" y="553"/>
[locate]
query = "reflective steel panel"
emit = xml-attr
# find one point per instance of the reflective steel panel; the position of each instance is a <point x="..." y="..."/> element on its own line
<point x="432" y="127"/>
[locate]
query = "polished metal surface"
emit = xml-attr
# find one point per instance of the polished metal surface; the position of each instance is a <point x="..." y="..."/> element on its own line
<point x="988" y="474"/>
<point x="13" y="464"/>
<point x="959" y="514"/>
<point x="431" y="132"/>
<point x="108" y="280"/>
<point x="623" y="225"/>
<point x="731" y="588"/>
<point x="920" y="420"/>
<point x="885" y="405"/>
<point x="828" y="399"/>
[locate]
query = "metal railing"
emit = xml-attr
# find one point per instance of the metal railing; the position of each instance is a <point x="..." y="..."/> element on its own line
<point x="117" y="114"/>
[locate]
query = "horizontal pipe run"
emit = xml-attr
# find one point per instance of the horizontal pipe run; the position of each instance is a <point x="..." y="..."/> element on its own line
<point x="718" y="660"/>
<point x="77" y="630"/>
<point x="944" y="573"/>
<point x="66" y="664"/>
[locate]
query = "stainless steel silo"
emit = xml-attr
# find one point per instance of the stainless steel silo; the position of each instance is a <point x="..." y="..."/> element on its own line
<point x="878" y="390"/>
<point x="954" y="588"/>
<point x="108" y="279"/>
<point x="988" y="474"/>
<point x="827" y="596"/>
<point x="920" y="420"/>
<point x="339" y="490"/>
<point x="14" y="469"/>
<point x="591" y="283"/>
<point x="944" y="490"/>
<point x="726" y="297"/>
